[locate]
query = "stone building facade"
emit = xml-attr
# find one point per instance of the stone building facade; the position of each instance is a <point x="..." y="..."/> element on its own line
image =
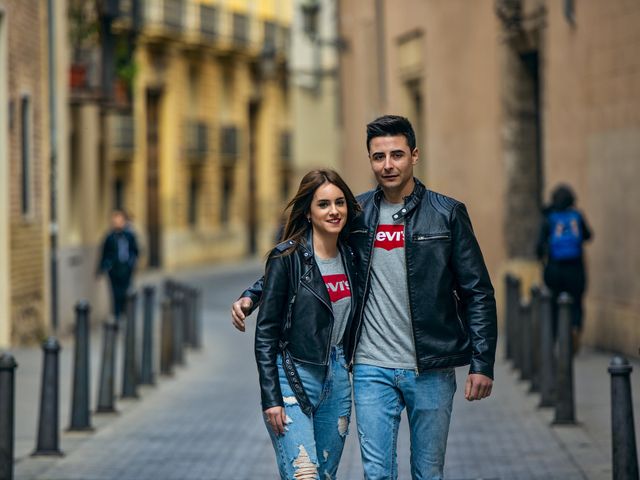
<point x="23" y="171"/>
<point x="509" y="98"/>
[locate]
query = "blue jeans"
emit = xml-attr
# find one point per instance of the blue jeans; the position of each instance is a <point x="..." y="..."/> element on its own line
<point x="312" y="446"/>
<point x="380" y="396"/>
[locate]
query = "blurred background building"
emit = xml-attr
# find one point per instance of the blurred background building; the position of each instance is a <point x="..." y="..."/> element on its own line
<point x="510" y="97"/>
<point x="199" y="117"/>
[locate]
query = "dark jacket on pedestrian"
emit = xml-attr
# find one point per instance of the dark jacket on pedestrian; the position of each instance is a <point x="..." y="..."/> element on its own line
<point x="451" y="299"/>
<point x="119" y="254"/>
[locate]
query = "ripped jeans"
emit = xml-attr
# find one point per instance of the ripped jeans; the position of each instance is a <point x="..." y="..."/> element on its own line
<point x="311" y="447"/>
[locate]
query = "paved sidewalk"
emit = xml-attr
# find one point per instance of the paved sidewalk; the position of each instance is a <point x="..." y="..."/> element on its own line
<point x="205" y="422"/>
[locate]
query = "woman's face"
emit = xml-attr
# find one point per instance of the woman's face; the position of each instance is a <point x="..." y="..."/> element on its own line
<point x="328" y="212"/>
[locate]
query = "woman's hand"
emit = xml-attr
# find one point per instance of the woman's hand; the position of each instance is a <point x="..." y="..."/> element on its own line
<point x="277" y="419"/>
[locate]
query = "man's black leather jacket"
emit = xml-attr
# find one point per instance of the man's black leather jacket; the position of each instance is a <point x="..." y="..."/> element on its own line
<point x="451" y="300"/>
<point x="296" y="313"/>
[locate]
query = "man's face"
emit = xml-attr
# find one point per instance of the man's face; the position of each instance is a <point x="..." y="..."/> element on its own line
<point x="118" y="222"/>
<point x="392" y="162"/>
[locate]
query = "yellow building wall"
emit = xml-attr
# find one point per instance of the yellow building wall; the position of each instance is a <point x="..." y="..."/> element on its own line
<point x="212" y="83"/>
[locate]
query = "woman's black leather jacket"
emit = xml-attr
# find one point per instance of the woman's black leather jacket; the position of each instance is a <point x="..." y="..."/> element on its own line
<point x="296" y="313"/>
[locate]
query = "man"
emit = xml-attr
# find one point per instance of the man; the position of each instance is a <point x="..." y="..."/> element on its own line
<point x="118" y="259"/>
<point x="427" y="306"/>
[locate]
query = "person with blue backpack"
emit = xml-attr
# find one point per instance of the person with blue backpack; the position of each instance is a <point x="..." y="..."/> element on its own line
<point x="563" y="232"/>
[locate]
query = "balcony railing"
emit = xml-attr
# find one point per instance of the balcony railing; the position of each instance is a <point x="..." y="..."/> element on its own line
<point x="240" y="30"/>
<point x="209" y="27"/>
<point x="173" y="15"/>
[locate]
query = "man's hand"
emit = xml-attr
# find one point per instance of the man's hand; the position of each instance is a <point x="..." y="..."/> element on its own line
<point x="239" y="311"/>
<point x="478" y="386"/>
<point x="277" y="419"/>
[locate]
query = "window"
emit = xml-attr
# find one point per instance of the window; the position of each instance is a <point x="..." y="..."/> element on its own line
<point x="194" y="189"/>
<point x="118" y="194"/>
<point x="227" y="192"/>
<point x="25" y="153"/>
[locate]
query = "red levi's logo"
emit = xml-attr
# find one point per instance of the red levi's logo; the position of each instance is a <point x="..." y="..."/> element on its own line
<point x="389" y="237"/>
<point x="337" y="286"/>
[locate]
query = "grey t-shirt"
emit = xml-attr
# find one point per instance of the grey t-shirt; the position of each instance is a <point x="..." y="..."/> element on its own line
<point x="337" y="283"/>
<point x="387" y="337"/>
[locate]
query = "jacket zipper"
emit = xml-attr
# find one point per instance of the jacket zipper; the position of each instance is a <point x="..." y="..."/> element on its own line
<point x="406" y="267"/>
<point x="287" y="324"/>
<point x="366" y="286"/>
<point x="432" y="237"/>
<point x="456" y="299"/>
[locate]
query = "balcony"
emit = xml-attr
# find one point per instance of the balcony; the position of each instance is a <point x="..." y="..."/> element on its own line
<point x="164" y="18"/>
<point x="120" y="136"/>
<point x="240" y="31"/>
<point x="197" y="141"/>
<point x="209" y="27"/>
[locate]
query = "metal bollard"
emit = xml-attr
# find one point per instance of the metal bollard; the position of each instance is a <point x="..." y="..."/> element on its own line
<point x="169" y="287"/>
<point x="565" y="405"/>
<point x="197" y="319"/>
<point x="623" y="435"/>
<point x="178" y="329"/>
<point x="547" y="350"/>
<point x="535" y="339"/>
<point x="48" y="422"/>
<point x="129" y="377"/>
<point x="80" y="415"/>
<point x="525" y="341"/>
<point x="147" y="376"/>
<point x="106" y="388"/>
<point x="7" y="414"/>
<point x="187" y="309"/>
<point x="166" y="339"/>
<point x="508" y="316"/>
<point x="517" y="326"/>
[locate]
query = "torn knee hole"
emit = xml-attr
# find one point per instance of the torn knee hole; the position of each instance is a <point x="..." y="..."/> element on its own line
<point x="305" y="468"/>
<point x="343" y="425"/>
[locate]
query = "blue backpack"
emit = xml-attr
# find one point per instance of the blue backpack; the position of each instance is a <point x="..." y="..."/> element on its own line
<point x="565" y="235"/>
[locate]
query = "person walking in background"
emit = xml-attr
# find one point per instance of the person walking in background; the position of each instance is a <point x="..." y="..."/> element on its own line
<point x="118" y="259"/>
<point x="427" y="306"/>
<point x="302" y="340"/>
<point x="563" y="232"/>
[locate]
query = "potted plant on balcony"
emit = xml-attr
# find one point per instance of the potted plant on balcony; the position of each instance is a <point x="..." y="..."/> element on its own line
<point x="83" y="36"/>
<point x="126" y="70"/>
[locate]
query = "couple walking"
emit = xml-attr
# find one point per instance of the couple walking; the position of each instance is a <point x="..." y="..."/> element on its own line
<point x="391" y="287"/>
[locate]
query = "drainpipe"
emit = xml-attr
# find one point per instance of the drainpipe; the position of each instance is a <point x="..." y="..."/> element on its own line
<point x="53" y="165"/>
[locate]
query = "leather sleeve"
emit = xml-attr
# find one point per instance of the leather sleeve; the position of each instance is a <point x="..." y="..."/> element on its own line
<point x="254" y="292"/>
<point x="275" y="293"/>
<point x="476" y="292"/>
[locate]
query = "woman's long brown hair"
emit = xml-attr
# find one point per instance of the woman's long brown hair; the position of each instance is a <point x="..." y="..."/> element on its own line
<point x="297" y="224"/>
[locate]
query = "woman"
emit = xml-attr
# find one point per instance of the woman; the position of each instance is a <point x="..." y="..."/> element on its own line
<point x="563" y="232"/>
<point x="303" y="342"/>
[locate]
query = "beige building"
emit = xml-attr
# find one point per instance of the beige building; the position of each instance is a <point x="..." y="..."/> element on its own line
<point x="509" y="98"/>
<point x="24" y="154"/>
<point x="192" y="138"/>
<point x="314" y="87"/>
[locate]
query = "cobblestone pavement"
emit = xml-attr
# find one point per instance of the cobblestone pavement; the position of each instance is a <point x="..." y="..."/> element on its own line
<point x="204" y="423"/>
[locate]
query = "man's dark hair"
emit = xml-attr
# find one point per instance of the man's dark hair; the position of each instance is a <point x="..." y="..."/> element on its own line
<point x="390" y="126"/>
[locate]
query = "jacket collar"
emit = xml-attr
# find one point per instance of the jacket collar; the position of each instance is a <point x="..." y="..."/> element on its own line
<point x="306" y="248"/>
<point x="410" y="201"/>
